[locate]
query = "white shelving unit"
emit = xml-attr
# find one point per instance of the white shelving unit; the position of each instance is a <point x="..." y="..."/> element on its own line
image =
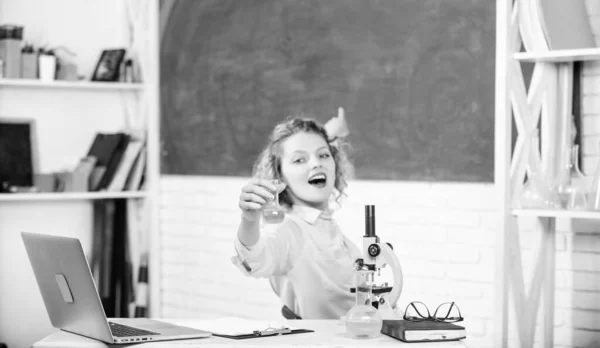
<point x="69" y="196"/>
<point x="77" y="85"/>
<point x="564" y="56"/>
<point x="58" y="85"/>
<point x="565" y="214"/>
<point x="72" y="112"/>
<point x="546" y="104"/>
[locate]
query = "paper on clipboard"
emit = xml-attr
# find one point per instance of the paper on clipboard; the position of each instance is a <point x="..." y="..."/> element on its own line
<point x="234" y="326"/>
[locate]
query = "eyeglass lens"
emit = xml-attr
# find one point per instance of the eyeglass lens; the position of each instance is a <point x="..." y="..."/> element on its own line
<point x="447" y="312"/>
<point x="418" y="311"/>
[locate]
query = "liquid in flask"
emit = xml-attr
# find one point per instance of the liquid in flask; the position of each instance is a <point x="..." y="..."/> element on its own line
<point x="272" y="212"/>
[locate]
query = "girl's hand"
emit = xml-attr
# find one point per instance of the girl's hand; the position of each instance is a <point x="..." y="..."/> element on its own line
<point x="255" y="195"/>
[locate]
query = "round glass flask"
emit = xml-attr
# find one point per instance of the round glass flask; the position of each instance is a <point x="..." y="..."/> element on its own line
<point x="363" y="320"/>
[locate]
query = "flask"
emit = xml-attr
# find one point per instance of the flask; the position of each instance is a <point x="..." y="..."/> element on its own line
<point x="272" y="212"/>
<point x="536" y="192"/>
<point x="364" y="320"/>
<point x="570" y="182"/>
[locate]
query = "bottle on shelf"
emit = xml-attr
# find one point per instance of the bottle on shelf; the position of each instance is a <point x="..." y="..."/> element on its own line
<point x="536" y="192"/>
<point x="570" y="185"/>
<point x="578" y="196"/>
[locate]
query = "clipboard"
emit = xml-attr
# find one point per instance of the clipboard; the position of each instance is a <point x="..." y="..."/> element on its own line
<point x="268" y="332"/>
<point x="240" y="328"/>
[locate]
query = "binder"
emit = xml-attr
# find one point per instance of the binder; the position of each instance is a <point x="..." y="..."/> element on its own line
<point x="114" y="161"/>
<point x="132" y="150"/>
<point x="108" y="148"/>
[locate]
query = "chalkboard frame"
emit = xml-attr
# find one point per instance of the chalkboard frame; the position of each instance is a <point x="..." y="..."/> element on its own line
<point x="33" y="141"/>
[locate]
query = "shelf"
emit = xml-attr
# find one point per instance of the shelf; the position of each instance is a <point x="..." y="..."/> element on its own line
<point x="83" y="85"/>
<point x="571" y="214"/>
<point x="69" y="196"/>
<point x="559" y="56"/>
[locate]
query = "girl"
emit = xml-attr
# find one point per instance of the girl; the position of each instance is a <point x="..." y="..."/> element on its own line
<point x="308" y="260"/>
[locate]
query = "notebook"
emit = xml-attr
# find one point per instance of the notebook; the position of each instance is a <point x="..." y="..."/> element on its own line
<point x="71" y="299"/>
<point x="423" y="331"/>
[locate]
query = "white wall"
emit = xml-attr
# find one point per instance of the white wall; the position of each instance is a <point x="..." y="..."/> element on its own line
<point x="444" y="235"/>
<point x="66" y="121"/>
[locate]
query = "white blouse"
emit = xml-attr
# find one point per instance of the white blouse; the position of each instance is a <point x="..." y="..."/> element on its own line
<point x="308" y="261"/>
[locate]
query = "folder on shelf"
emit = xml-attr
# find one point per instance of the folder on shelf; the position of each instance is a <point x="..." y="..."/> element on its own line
<point x="125" y="166"/>
<point x="108" y="148"/>
<point x="134" y="180"/>
<point x="240" y="328"/>
<point x="115" y="159"/>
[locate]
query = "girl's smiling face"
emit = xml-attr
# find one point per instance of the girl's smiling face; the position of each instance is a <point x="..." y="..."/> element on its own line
<point x="308" y="169"/>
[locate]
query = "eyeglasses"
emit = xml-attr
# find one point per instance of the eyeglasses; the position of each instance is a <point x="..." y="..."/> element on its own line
<point x="447" y="312"/>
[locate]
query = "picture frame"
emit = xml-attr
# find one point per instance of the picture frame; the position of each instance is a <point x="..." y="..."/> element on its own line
<point x="108" y="66"/>
<point x="19" y="152"/>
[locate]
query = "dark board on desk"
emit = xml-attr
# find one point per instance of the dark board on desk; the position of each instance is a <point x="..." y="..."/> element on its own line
<point x="416" y="78"/>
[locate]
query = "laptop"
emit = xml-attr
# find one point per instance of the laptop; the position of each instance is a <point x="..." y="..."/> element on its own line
<point x="72" y="301"/>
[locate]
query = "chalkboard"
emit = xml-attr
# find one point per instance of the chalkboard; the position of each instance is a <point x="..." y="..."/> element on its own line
<point x="18" y="159"/>
<point x="416" y="78"/>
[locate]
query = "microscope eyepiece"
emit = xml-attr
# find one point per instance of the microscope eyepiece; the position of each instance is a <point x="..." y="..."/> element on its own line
<point x="369" y="221"/>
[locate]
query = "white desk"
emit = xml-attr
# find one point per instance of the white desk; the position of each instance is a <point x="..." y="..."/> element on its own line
<point x="328" y="333"/>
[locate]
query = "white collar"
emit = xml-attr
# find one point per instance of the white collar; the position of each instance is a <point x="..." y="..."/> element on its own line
<point x="310" y="214"/>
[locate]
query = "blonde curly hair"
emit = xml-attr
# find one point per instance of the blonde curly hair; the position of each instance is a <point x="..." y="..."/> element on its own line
<point x="268" y="163"/>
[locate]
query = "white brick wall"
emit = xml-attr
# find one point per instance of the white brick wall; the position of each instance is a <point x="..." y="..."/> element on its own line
<point x="591" y="99"/>
<point x="578" y="264"/>
<point x="444" y="234"/>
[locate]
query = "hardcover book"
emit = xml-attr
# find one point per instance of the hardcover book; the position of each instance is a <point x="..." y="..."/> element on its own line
<point x="423" y="331"/>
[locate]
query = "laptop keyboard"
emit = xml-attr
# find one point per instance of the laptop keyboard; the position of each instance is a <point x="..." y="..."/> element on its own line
<point x="119" y="330"/>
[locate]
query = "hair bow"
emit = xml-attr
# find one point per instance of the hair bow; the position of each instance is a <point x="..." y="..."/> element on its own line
<point x="337" y="127"/>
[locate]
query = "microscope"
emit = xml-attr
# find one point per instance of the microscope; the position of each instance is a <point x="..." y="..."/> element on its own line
<point x="377" y="255"/>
